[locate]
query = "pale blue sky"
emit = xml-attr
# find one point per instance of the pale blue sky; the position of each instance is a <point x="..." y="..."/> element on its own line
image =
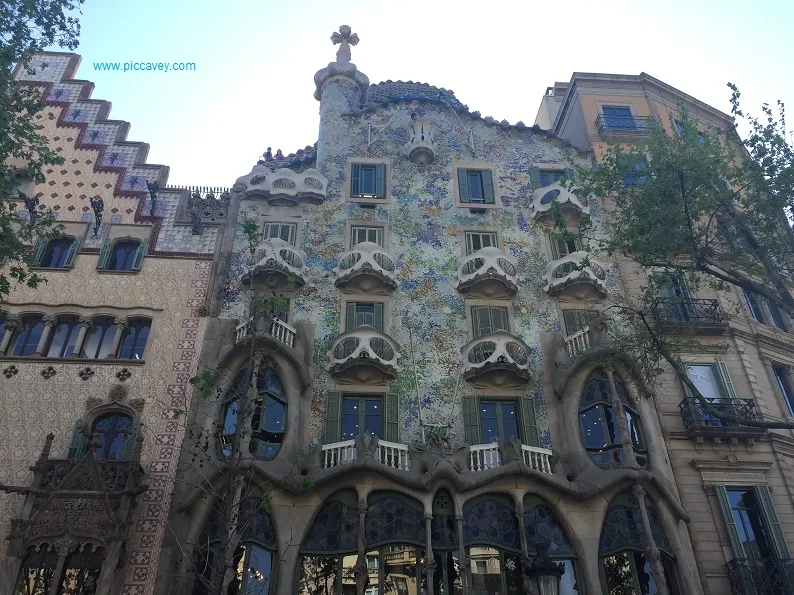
<point x="256" y="61"/>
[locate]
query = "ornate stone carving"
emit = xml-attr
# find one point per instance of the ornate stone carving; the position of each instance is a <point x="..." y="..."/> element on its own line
<point x="123" y="374"/>
<point x="48" y="372"/>
<point x="207" y="209"/>
<point x="136" y="404"/>
<point x="86" y="373"/>
<point x="92" y="403"/>
<point x="366" y="445"/>
<point x="10" y="371"/>
<point x="343" y="66"/>
<point x="118" y="392"/>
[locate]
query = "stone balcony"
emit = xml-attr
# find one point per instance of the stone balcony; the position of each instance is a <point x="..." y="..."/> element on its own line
<point x="364" y="355"/>
<point x="367" y="268"/>
<point x="571" y="206"/>
<point x="279" y="330"/>
<point x="498" y="360"/>
<point x="576" y="275"/>
<point x="391" y="454"/>
<point x="700" y="424"/>
<point x="490" y="456"/>
<point x="488" y="273"/>
<point x="277" y="265"/>
<point x="284" y="186"/>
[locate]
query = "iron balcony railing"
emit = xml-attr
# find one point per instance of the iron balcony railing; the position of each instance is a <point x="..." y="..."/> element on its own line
<point x="623" y="124"/>
<point x="698" y="421"/>
<point x="758" y="576"/>
<point x="688" y="312"/>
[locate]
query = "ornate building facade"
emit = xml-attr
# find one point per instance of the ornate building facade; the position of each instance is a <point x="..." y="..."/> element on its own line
<point x="735" y="481"/>
<point x="397" y="374"/>
<point x="95" y="363"/>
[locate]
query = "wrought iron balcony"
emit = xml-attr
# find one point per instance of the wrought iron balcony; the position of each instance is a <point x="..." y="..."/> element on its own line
<point x="364" y="354"/>
<point x="277" y="265"/>
<point x="700" y="316"/>
<point x="758" y="576"/>
<point x="577" y="274"/>
<point x="488" y="273"/>
<point x="699" y="423"/>
<point x="498" y="359"/>
<point x="367" y="268"/>
<point x="623" y="125"/>
<point x="571" y="205"/>
<point x="279" y="329"/>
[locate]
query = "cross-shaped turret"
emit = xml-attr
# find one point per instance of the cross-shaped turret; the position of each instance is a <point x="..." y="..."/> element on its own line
<point x="345" y="39"/>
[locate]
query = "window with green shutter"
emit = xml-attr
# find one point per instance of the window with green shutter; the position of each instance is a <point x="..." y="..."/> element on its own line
<point x="58" y="253"/>
<point x="368" y="414"/>
<point x="364" y="313"/>
<point x="488" y="319"/>
<point x="752" y="524"/>
<point x="333" y="403"/>
<point x="490" y="420"/>
<point x="475" y="186"/>
<point x="368" y="180"/>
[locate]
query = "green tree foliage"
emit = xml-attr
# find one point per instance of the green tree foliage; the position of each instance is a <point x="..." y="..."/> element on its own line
<point x="698" y="206"/>
<point x="26" y="27"/>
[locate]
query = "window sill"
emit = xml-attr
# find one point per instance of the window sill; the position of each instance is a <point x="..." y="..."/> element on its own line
<point x="52" y="269"/>
<point x="112" y="272"/>
<point x="110" y="361"/>
<point x="478" y="205"/>
<point x="369" y="201"/>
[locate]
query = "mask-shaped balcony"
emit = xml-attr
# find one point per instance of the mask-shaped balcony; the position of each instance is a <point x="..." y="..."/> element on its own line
<point x="567" y="276"/>
<point x="571" y="206"/>
<point x="364" y="355"/>
<point x="285" y="186"/>
<point x="278" y="265"/>
<point x="497" y="360"/>
<point x="367" y="268"/>
<point x="488" y="273"/>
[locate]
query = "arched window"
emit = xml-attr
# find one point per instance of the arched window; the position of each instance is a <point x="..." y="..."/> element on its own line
<point x="330" y="546"/>
<point x="133" y="339"/>
<point x="80" y="571"/>
<point x="493" y="543"/>
<point x="28" y="336"/>
<point x="599" y="423"/>
<point x="122" y="255"/>
<point x="624" y="566"/>
<point x="99" y="341"/>
<point x="58" y="253"/>
<point x="64" y="336"/>
<point x="254" y="556"/>
<point x="541" y="524"/>
<point x="268" y="412"/>
<point x="116" y="435"/>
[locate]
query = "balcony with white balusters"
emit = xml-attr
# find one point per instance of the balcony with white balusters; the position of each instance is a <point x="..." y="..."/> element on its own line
<point x="390" y="454"/>
<point x="489" y="456"/>
<point x="278" y="329"/>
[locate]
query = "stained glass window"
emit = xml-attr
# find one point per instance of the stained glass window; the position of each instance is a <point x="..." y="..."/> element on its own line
<point x="491" y="520"/>
<point x="335" y="528"/>
<point x="392" y="519"/>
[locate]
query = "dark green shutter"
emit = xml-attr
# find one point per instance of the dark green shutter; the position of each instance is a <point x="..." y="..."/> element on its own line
<point x="463" y="186"/>
<point x="558" y="248"/>
<point x="471" y="420"/>
<point x="104" y="255"/>
<point x="379" y="317"/>
<point x="72" y="253"/>
<point x="129" y="441"/>
<point x="38" y="251"/>
<point x="333" y="401"/>
<point x="350" y="319"/>
<point x="499" y="313"/>
<point x="534" y="178"/>
<point x="355" y="180"/>
<point x="392" y="417"/>
<point x="530" y="436"/>
<point x="727" y="515"/>
<point x="77" y="447"/>
<point x="569" y="174"/>
<point x="773" y="524"/>
<point x="380" y="181"/>
<point x="487" y="187"/>
<point x="139" y="252"/>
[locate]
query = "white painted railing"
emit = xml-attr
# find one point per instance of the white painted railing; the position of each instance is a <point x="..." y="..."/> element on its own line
<point x="537" y="458"/>
<point x="283" y="332"/>
<point x="279" y="329"/>
<point x="544" y="198"/>
<point x="390" y="454"/>
<point x="578" y="343"/>
<point x="484" y="456"/>
<point x="393" y="454"/>
<point x="339" y="453"/>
